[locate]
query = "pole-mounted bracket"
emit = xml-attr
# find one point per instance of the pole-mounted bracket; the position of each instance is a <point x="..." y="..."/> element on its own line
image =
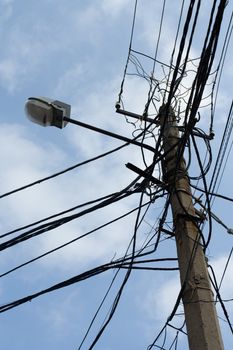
<point x="146" y="175"/>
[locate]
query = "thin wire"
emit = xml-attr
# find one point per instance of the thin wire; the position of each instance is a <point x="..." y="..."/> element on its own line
<point x="58" y="214"/>
<point x="68" y="243"/>
<point x="222" y="149"/>
<point x="128" y="273"/>
<point x="130" y="45"/>
<point x="215" y="285"/>
<point x="225" y="269"/>
<point x="221" y="63"/>
<point x="63" y="171"/>
<point x="159" y="36"/>
<point x="212" y="193"/>
<point x="57" y="223"/>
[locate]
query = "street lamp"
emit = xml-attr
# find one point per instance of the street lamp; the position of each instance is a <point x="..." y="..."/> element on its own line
<point x="47" y="112"/>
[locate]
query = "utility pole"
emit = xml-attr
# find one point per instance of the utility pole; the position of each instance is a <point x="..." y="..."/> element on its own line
<point x="200" y="312"/>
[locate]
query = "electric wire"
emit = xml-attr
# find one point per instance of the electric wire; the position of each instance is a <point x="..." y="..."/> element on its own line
<point x="41" y="229"/>
<point x="58" y="214"/>
<point x="224" y="166"/>
<point x="206" y="193"/>
<point x="139" y="253"/>
<point x="75" y="279"/>
<point x="222" y="149"/>
<point x="127" y="275"/>
<point x="129" y="261"/>
<point x="68" y="243"/>
<point x="212" y="194"/>
<point x="221" y="65"/>
<point x="151" y="90"/>
<point x="63" y="171"/>
<point x="129" y="50"/>
<point x="215" y="285"/>
<point x="98" y="309"/>
<point x="225" y="268"/>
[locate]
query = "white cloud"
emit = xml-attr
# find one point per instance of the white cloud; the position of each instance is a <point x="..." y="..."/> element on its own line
<point x="71" y="81"/>
<point x="25" y="162"/>
<point x="8" y="71"/>
<point x="31" y="45"/>
<point x="23" y="55"/>
<point x="58" y="319"/>
<point x="160" y="302"/>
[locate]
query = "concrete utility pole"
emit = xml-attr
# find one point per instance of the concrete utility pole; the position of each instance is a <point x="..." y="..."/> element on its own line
<point x="200" y="313"/>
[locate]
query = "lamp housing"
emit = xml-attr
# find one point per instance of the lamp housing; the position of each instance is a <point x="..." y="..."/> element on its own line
<point x="45" y="111"/>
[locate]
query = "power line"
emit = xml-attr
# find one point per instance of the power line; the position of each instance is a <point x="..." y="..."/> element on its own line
<point x="41" y="229"/>
<point x="63" y="171"/>
<point x="59" y="214"/>
<point x="68" y="243"/>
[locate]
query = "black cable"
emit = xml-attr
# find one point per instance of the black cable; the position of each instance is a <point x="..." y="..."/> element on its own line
<point x="127" y="275"/>
<point x="222" y="149"/>
<point x="151" y="91"/>
<point x="65" y="283"/>
<point x="206" y="192"/>
<point x="108" y="290"/>
<point x="212" y="193"/>
<point x="72" y="241"/>
<point x="196" y="132"/>
<point x="152" y="58"/>
<point x="127" y="61"/>
<point x="205" y="65"/>
<point x="175" y="43"/>
<point x="58" y="214"/>
<point x="158" y="336"/>
<point x="126" y="258"/>
<point x="179" y="297"/>
<point x="214" y="284"/>
<point x="57" y="223"/>
<point x="98" y="309"/>
<point x="225" y="268"/>
<point x="221" y="65"/>
<point x="181" y="48"/>
<point x="75" y="279"/>
<point x="68" y="243"/>
<point x="63" y="171"/>
<point x="132" y="260"/>
<point x="126" y="266"/>
<point x="224" y="165"/>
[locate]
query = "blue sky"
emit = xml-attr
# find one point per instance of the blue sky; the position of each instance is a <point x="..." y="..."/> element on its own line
<point x="75" y="51"/>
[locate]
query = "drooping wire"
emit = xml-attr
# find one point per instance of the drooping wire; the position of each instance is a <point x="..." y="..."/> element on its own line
<point x="127" y="275"/>
<point x="225" y="268"/>
<point x="212" y="194"/>
<point x="58" y="214"/>
<point x="151" y="90"/>
<point x="68" y="243"/>
<point x="216" y="288"/>
<point x="63" y="171"/>
<point x="220" y="67"/>
<point x="41" y="229"/>
<point x="222" y="150"/>
<point x="129" y="51"/>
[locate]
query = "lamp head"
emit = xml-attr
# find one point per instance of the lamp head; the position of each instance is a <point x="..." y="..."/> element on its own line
<point x="45" y="111"/>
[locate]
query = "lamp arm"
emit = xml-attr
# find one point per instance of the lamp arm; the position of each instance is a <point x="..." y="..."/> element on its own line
<point x="109" y="133"/>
